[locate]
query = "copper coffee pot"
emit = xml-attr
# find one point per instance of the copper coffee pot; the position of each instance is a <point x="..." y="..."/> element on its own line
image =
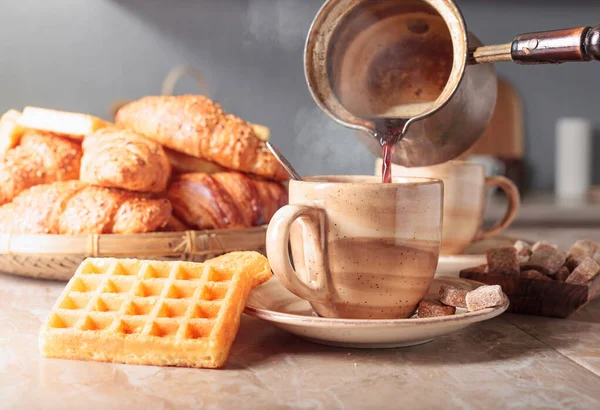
<point x="415" y="60"/>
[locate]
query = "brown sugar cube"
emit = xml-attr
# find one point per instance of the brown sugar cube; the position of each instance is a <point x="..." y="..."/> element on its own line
<point x="484" y="297"/>
<point x="597" y="256"/>
<point x="523" y="251"/>
<point x="583" y="247"/>
<point x="545" y="259"/>
<point x="503" y="260"/>
<point x="562" y="274"/>
<point x="522" y="248"/>
<point x="433" y="308"/>
<point x="573" y="262"/>
<point x="541" y="244"/>
<point x="585" y="272"/>
<point x="453" y="296"/>
<point x="533" y="274"/>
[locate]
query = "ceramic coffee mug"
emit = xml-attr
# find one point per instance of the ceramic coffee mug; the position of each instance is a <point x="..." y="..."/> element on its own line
<point x="465" y="189"/>
<point x="361" y="249"/>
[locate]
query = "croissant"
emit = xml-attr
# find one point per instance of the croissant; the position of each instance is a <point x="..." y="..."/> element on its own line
<point x="75" y="208"/>
<point x="41" y="158"/>
<point x="174" y="225"/>
<point x="118" y="158"/>
<point x="183" y="163"/>
<point x="197" y="126"/>
<point x="10" y="131"/>
<point x="224" y="200"/>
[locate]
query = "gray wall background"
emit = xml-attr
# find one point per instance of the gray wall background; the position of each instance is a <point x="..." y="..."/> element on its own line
<point x="82" y="55"/>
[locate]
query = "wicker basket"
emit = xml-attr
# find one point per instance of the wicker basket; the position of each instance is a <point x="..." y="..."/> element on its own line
<point x="58" y="256"/>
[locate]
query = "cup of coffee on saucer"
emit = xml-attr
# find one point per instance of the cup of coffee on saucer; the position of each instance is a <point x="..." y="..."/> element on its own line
<point x="361" y="249"/>
<point x="465" y="188"/>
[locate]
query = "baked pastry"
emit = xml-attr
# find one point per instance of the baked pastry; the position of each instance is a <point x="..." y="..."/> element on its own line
<point x="272" y="196"/>
<point x="75" y="208"/>
<point x="183" y="163"/>
<point x="117" y="158"/>
<point x="152" y="312"/>
<point x="10" y="131"/>
<point x="41" y="158"/>
<point x="261" y="131"/>
<point x="255" y="264"/>
<point x="224" y="200"/>
<point x="197" y="126"/>
<point x="174" y="225"/>
<point x="69" y="124"/>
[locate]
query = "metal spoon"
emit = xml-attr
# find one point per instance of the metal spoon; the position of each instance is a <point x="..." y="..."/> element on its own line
<point x="284" y="162"/>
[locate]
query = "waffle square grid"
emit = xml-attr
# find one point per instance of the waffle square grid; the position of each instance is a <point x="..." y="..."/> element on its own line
<point x="147" y="312"/>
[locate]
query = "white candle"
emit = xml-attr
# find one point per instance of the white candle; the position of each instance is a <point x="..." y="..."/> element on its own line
<point x="573" y="157"/>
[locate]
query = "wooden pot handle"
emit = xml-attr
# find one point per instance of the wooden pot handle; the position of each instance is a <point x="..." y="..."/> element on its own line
<point x="544" y="47"/>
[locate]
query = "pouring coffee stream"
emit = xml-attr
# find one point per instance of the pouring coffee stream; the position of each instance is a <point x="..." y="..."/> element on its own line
<point x="389" y="132"/>
<point x="381" y="66"/>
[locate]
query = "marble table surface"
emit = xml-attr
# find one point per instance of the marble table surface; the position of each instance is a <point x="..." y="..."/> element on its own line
<point x="512" y="361"/>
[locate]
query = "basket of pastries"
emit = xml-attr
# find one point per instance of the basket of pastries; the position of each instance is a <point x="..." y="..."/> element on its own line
<point x="174" y="177"/>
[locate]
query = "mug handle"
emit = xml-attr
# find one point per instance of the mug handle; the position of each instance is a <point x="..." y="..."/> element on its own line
<point x="278" y="237"/>
<point x="514" y="202"/>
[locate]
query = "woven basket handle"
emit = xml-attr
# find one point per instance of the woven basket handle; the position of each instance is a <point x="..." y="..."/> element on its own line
<point x="179" y="71"/>
<point x="168" y="85"/>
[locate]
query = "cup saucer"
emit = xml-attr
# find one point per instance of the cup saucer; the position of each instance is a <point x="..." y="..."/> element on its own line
<point x="273" y="303"/>
<point x="451" y="265"/>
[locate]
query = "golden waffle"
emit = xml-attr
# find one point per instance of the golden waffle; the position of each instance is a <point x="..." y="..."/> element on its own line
<point x="151" y="312"/>
<point x="244" y="260"/>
